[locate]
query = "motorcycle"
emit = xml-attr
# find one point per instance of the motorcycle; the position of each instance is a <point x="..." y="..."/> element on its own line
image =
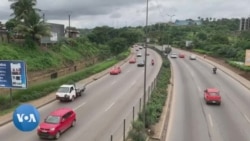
<point x="152" y="62"/>
<point x="214" y="70"/>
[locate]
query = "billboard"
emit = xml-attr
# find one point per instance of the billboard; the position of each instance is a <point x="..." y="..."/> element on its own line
<point x="247" y="58"/>
<point x="13" y="74"/>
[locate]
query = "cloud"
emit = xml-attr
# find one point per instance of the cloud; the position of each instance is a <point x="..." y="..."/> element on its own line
<point x="117" y="13"/>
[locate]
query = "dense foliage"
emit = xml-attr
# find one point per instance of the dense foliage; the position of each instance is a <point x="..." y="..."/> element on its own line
<point x="220" y="38"/>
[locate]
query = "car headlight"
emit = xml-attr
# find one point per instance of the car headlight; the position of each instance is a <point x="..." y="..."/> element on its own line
<point x="52" y="129"/>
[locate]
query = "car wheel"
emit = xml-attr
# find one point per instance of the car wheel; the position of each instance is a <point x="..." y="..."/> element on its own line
<point x="73" y="123"/>
<point x="219" y="103"/>
<point x="57" y="135"/>
<point x="207" y="102"/>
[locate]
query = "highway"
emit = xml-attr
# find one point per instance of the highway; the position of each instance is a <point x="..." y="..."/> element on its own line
<point x="191" y="119"/>
<point x="103" y="107"/>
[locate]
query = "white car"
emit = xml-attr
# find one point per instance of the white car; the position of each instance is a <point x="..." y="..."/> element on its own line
<point x="192" y="57"/>
<point x="173" y="55"/>
<point x="139" y="54"/>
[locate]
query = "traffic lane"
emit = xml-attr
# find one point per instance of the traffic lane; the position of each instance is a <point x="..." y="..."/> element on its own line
<point x="103" y="83"/>
<point x="187" y="119"/>
<point x="97" y="95"/>
<point x="114" y="115"/>
<point x="102" y="126"/>
<point x="227" y="119"/>
<point x="18" y="135"/>
<point x="238" y="94"/>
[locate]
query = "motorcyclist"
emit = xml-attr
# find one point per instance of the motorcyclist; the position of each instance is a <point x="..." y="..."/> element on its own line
<point x="214" y="69"/>
<point x="152" y="62"/>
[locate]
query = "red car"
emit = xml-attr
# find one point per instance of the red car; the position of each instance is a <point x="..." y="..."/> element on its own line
<point x="132" y="60"/>
<point x="56" y="123"/>
<point x="212" y="95"/>
<point x="115" y="70"/>
<point x="181" y="55"/>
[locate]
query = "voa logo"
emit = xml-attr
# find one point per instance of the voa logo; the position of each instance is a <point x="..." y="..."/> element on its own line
<point x="26" y="117"/>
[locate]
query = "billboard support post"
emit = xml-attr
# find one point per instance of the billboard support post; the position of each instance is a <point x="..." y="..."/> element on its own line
<point x="11" y="96"/>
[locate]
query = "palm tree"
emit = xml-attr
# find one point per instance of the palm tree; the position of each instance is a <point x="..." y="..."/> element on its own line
<point x="33" y="27"/>
<point x="29" y="21"/>
<point x="22" y="8"/>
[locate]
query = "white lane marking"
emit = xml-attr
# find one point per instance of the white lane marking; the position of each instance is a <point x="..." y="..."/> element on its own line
<point x="210" y="120"/>
<point x="109" y="107"/>
<point x="113" y="83"/>
<point x="79" y="106"/>
<point x="246" y="117"/>
<point x="199" y="88"/>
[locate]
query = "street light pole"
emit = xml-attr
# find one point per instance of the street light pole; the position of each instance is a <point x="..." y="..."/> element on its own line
<point x="170" y="25"/>
<point x="69" y="27"/>
<point x="145" y="68"/>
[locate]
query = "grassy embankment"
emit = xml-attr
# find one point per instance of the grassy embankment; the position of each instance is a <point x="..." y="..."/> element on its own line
<point x="38" y="59"/>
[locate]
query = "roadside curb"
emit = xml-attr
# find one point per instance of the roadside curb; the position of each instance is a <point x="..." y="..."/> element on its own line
<point x="7" y="118"/>
<point x="230" y="73"/>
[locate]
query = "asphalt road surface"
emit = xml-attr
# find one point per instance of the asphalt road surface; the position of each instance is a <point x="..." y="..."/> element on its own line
<point x="103" y="107"/>
<point x="192" y="119"/>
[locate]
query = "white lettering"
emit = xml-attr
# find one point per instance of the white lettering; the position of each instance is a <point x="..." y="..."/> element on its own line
<point x="32" y="118"/>
<point x="20" y="117"/>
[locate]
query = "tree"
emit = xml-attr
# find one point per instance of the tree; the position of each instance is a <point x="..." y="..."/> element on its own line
<point x="118" y="45"/>
<point x="22" y="8"/>
<point x="33" y="28"/>
<point x="28" y="21"/>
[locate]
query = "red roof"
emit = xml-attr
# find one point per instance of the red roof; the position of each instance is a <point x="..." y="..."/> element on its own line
<point x="61" y="111"/>
<point x="212" y="90"/>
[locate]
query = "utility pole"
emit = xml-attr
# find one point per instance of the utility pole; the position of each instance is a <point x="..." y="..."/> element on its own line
<point x="145" y="68"/>
<point x="44" y="17"/>
<point x="69" y="28"/>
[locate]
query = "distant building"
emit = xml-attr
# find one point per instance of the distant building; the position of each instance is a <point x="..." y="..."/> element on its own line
<point x="187" y="22"/>
<point x="57" y="33"/>
<point x="244" y="24"/>
<point x="72" y="32"/>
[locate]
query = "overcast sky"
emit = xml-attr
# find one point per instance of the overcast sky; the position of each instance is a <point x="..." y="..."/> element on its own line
<point x="119" y="13"/>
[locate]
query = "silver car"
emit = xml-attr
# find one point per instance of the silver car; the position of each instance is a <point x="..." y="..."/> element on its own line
<point x="173" y="55"/>
<point x="192" y="57"/>
<point x="141" y="63"/>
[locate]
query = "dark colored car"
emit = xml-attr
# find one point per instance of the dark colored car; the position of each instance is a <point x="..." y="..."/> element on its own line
<point x="56" y="123"/>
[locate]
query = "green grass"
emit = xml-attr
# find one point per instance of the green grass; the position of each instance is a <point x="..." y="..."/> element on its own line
<point x="53" y="57"/>
<point x="202" y="51"/>
<point x="241" y="67"/>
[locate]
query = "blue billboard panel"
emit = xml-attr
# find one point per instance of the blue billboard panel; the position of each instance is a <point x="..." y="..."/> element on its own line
<point x="13" y="74"/>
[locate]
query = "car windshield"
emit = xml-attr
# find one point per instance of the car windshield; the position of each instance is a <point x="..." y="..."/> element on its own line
<point x="52" y="119"/>
<point x="63" y="89"/>
<point x="213" y="93"/>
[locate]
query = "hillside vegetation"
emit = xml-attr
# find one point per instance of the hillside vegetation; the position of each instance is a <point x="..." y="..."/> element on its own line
<point x="219" y="38"/>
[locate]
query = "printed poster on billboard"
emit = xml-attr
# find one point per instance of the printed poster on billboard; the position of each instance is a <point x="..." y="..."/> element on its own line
<point x="13" y="74"/>
<point x="247" y="58"/>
